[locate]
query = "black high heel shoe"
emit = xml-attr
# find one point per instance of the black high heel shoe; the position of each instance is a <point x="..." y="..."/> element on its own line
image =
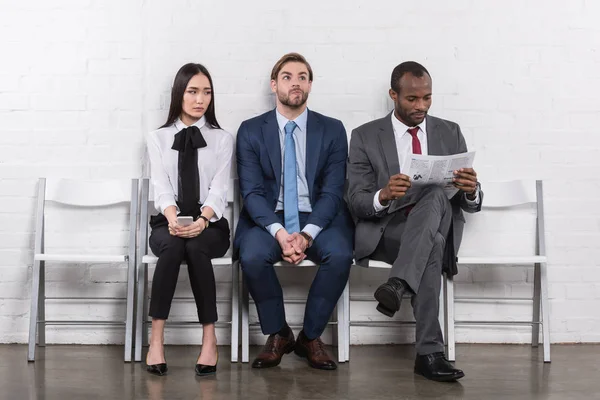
<point x="205" y="370"/>
<point x="156" y="369"/>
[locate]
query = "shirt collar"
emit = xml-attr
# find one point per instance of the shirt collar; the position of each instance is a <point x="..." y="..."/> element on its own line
<point x="300" y="120"/>
<point x="179" y="125"/>
<point x="400" y="128"/>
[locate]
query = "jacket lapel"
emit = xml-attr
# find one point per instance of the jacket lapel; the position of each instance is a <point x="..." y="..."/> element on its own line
<point x="435" y="147"/>
<point x="388" y="145"/>
<point x="314" y="138"/>
<point x="270" y="132"/>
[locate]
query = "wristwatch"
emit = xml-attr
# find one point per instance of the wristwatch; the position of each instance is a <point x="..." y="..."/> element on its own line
<point x="205" y="220"/>
<point x="308" y="238"/>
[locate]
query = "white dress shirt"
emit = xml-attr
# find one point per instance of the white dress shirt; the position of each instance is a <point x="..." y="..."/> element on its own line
<point x="404" y="148"/>
<point x="214" y="166"/>
<point x="304" y="206"/>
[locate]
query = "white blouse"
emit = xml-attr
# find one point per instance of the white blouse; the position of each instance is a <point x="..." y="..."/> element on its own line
<point x="214" y="166"/>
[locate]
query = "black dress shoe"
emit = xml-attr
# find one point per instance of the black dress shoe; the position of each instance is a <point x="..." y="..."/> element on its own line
<point x="389" y="295"/>
<point x="157" y="369"/>
<point x="435" y="367"/>
<point x="204" y="370"/>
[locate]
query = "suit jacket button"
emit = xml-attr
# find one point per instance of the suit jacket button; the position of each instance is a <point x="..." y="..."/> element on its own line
<point x="382" y="230"/>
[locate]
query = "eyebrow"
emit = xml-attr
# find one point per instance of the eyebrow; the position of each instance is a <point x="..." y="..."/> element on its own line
<point x="195" y="88"/>
<point x="289" y="73"/>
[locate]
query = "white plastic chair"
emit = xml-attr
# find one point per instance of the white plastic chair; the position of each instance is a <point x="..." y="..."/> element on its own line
<point x="88" y="194"/>
<point x="144" y="259"/>
<point x="505" y="196"/>
<point x="340" y="336"/>
<point x="383" y="323"/>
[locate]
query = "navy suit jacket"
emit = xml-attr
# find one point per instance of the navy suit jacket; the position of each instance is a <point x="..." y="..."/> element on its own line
<point x="259" y="170"/>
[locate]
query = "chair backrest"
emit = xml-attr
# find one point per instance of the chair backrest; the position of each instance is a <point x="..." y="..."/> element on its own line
<point x="87" y="194"/>
<point x="511" y="222"/>
<point x="509" y="194"/>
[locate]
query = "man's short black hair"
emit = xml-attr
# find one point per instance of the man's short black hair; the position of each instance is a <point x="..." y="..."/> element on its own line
<point x="408" y="66"/>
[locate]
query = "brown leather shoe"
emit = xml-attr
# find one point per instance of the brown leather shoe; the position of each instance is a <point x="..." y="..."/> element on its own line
<point x="274" y="349"/>
<point x="314" y="351"/>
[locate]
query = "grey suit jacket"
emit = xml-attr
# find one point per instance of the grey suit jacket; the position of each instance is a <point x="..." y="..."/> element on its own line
<point x="373" y="159"/>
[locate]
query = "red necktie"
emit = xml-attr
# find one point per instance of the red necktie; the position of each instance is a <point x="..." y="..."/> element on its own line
<point x="416" y="144"/>
<point x="416" y="147"/>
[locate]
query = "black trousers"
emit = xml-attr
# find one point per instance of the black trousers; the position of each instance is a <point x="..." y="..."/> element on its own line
<point x="213" y="242"/>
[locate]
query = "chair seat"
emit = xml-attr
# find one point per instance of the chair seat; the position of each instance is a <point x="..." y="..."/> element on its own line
<point x="215" y="261"/>
<point x="497" y="260"/>
<point x="515" y="260"/>
<point x="305" y="263"/>
<point x="379" y="264"/>
<point x="102" y="258"/>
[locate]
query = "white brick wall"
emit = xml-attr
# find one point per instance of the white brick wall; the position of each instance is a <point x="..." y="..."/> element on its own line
<point x="82" y="81"/>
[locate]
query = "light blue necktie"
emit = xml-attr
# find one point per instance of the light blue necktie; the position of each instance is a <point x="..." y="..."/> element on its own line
<point x="290" y="181"/>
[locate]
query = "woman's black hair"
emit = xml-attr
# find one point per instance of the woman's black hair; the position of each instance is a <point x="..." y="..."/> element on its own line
<point x="182" y="79"/>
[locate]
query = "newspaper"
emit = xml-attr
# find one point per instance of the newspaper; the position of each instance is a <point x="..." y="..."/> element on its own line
<point x="436" y="170"/>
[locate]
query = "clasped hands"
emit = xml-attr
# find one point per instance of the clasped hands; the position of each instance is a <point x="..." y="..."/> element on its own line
<point x="465" y="179"/>
<point x="292" y="246"/>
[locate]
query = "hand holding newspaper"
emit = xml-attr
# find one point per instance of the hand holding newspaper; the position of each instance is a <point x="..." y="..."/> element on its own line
<point x="436" y="170"/>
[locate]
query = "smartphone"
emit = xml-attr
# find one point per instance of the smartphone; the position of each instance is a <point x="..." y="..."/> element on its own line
<point x="185" y="221"/>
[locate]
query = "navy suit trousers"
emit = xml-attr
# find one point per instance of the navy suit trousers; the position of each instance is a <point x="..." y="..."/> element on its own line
<point x="332" y="251"/>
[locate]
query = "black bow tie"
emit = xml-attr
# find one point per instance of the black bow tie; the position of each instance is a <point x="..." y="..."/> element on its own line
<point x="190" y="136"/>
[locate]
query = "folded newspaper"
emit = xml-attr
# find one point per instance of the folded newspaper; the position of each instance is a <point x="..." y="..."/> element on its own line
<point x="436" y="170"/>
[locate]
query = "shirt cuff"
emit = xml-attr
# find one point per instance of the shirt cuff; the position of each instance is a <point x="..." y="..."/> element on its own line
<point x="376" y="204"/>
<point x="165" y="202"/>
<point x="273" y="228"/>
<point x="312" y="230"/>
<point x="474" y="202"/>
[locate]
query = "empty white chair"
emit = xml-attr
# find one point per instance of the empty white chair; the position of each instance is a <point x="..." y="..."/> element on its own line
<point x="340" y="336"/>
<point x="504" y="197"/>
<point x="144" y="259"/>
<point x="88" y="194"/>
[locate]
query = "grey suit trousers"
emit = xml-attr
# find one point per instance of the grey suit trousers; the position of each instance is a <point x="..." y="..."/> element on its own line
<point x="414" y="244"/>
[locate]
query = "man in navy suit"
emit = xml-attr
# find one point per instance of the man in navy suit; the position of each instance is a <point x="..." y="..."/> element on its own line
<point x="292" y="170"/>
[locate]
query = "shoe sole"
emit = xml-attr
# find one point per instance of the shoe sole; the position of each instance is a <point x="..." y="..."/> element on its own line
<point x="303" y="354"/>
<point x="451" y="378"/>
<point x="286" y="350"/>
<point x="206" y="374"/>
<point x="157" y="373"/>
<point x="388" y="302"/>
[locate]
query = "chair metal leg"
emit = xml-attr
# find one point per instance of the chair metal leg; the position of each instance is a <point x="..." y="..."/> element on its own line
<point x="129" y="312"/>
<point x="450" y="318"/>
<point x="33" y="313"/>
<point x="535" y="327"/>
<point x="139" y="314"/>
<point x="340" y="328"/>
<point x="146" y="333"/>
<point x="346" y="295"/>
<point x="442" y="307"/>
<point x="42" y="306"/>
<point x="235" y="311"/>
<point x="245" y="323"/>
<point x="545" y="312"/>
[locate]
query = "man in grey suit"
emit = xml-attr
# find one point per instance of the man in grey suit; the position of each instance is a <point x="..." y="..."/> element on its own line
<point x="417" y="230"/>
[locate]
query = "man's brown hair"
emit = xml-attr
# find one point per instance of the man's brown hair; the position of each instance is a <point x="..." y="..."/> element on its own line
<point x="290" y="57"/>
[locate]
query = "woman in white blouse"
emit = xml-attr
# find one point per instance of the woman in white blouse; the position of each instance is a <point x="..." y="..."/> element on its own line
<point x="190" y="161"/>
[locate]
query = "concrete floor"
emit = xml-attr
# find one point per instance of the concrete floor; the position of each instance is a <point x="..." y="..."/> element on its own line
<point x="375" y="372"/>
